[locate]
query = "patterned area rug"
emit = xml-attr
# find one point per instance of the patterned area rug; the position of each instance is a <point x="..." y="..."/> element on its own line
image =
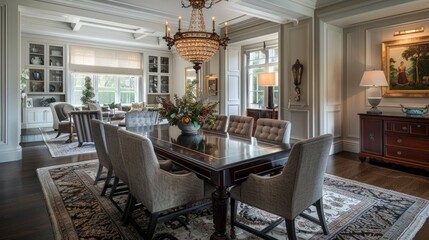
<point x="58" y="146"/>
<point x="353" y="211"/>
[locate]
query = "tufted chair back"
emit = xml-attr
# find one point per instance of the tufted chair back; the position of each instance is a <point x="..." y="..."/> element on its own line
<point x="241" y="126"/>
<point x="141" y="118"/>
<point x="272" y="130"/>
<point x="219" y="125"/>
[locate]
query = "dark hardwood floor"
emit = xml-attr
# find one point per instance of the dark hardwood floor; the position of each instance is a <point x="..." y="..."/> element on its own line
<point x="23" y="213"/>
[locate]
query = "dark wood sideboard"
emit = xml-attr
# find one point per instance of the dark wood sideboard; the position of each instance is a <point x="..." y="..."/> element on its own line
<point x="395" y="138"/>
<point x="257" y="113"/>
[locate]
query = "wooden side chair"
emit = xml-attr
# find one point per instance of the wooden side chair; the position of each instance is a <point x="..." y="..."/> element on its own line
<point x="272" y="130"/>
<point x="102" y="153"/>
<point x="240" y="126"/>
<point x="289" y="193"/>
<point x="82" y="124"/>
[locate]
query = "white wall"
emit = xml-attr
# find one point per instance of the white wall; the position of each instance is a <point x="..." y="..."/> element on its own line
<point x="10" y="102"/>
<point x="297" y="43"/>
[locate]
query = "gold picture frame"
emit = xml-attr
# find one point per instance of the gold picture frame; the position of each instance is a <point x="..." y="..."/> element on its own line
<point x="212" y="89"/>
<point x="406" y="65"/>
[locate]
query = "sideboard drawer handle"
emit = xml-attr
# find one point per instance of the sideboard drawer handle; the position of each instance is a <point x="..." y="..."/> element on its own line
<point x="371" y="136"/>
<point x="398" y="152"/>
<point x="399" y="140"/>
<point x="404" y="128"/>
<point x="419" y="126"/>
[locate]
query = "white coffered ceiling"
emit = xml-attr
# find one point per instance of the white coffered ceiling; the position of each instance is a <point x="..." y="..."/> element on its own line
<point x="141" y="22"/>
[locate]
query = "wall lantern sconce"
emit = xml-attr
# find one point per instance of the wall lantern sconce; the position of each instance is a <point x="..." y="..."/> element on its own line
<point x="297" y="70"/>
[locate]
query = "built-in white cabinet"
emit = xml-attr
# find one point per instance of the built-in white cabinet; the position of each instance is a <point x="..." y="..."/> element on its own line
<point x="37" y="117"/>
<point x="158" y="76"/>
<point x="46" y="69"/>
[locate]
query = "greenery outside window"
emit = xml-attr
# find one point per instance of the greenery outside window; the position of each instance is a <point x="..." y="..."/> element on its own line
<point x="107" y="88"/>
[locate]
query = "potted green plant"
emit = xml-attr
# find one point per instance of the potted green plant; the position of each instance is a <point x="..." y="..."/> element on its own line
<point x="113" y="106"/>
<point x="87" y="93"/>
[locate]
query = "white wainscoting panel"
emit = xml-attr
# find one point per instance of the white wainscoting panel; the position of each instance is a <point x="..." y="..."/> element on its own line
<point x="300" y="121"/>
<point x="3" y="77"/>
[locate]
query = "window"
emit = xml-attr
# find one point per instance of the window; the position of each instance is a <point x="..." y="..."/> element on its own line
<point x="115" y="74"/>
<point x="259" y="61"/>
<point x="107" y="88"/>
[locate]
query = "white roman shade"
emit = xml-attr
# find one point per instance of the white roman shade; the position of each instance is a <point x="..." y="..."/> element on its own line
<point x="105" y="61"/>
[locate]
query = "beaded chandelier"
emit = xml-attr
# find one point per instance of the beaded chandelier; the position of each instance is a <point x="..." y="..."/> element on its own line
<point x="196" y="45"/>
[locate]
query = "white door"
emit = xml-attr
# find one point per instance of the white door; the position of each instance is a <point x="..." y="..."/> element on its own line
<point x="232" y="82"/>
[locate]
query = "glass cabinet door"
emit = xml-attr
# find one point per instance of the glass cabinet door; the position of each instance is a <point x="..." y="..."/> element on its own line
<point x="164" y="84"/>
<point x="153" y="84"/>
<point x="164" y="65"/>
<point x="36" y="54"/>
<point x="153" y="64"/>
<point x="56" y="56"/>
<point x="56" y="81"/>
<point x="36" y="81"/>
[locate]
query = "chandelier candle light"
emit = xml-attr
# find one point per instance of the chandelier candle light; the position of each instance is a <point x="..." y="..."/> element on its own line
<point x="196" y="45"/>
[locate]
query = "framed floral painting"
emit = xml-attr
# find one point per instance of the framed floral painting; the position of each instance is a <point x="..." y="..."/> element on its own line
<point x="406" y="65"/>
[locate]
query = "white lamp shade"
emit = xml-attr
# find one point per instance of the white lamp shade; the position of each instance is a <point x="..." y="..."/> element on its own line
<point x="373" y="78"/>
<point x="267" y="79"/>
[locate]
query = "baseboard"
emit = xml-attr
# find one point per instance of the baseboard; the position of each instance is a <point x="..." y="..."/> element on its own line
<point x="10" y="155"/>
<point x="337" y="146"/>
<point x="351" y="146"/>
<point x="31" y="138"/>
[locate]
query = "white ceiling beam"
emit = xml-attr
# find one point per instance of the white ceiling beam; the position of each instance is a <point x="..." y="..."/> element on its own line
<point x="138" y="36"/>
<point x="76" y="26"/>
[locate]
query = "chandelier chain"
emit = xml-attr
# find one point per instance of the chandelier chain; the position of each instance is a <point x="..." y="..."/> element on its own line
<point x="198" y="4"/>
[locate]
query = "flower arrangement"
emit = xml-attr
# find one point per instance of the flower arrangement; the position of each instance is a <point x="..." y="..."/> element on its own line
<point x="23" y="85"/>
<point x="188" y="109"/>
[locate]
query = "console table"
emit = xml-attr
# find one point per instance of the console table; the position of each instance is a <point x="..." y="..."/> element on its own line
<point x="395" y="138"/>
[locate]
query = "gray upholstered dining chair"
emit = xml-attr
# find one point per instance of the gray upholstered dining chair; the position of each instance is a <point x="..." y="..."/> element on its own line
<point x="115" y="156"/>
<point x="289" y="193"/>
<point x="102" y="153"/>
<point x="219" y="124"/>
<point x="141" y="118"/>
<point x="272" y="130"/>
<point x="158" y="190"/>
<point x="82" y="124"/>
<point x="241" y="126"/>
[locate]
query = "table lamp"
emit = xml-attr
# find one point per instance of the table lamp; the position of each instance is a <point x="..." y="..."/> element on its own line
<point x="375" y="78"/>
<point x="268" y="80"/>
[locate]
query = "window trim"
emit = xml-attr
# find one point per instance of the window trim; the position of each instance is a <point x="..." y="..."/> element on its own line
<point x="265" y="66"/>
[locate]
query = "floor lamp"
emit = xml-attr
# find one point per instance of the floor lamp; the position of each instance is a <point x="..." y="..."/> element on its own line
<point x="268" y="80"/>
<point x="375" y="78"/>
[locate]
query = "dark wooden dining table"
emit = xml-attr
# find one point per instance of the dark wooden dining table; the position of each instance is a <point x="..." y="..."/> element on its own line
<point x="219" y="159"/>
